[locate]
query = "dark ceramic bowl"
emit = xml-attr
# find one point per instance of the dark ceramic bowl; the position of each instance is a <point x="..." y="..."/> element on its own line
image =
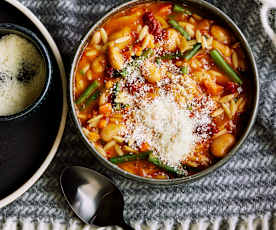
<point x="7" y="28"/>
<point x="208" y="11"/>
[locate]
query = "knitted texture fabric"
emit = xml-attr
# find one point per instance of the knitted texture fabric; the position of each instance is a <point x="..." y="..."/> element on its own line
<point x="245" y="186"/>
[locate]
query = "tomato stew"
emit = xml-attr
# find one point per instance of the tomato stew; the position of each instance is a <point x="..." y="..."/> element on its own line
<point x="160" y="90"/>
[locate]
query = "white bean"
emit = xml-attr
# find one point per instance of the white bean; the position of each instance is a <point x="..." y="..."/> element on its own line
<point x="96" y="39"/>
<point x="104" y="35"/>
<point x="115" y="57"/>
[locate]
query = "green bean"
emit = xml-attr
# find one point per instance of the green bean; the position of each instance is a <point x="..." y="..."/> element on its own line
<point x="94" y="85"/>
<point x="192" y="52"/>
<point x="130" y="157"/>
<point x="84" y="69"/>
<point x="171" y="56"/>
<point x="171" y="17"/>
<point x="178" y="27"/>
<point x="147" y="53"/>
<point x="158" y="60"/>
<point x="124" y="72"/>
<point x="221" y="63"/>
<point x="184" y="69"/>
<point x="135" y="63"/>
<point x="117" y="88"/>
<point x="115" y="91"/>
<point x="180" y="9"/>
<point x="92" y="98"/>
<point x="118" y="106"/>
<point x="167" y="168"/>
<point x="190" y="107"/>
<point x="187" y="56"/>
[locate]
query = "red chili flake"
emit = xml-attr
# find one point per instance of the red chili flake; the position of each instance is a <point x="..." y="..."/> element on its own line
<point x="126" y="53"/>
<point x="214" y="129"/>
<point x="230" y="87"/>
<point x="133" y="88"/>
<point x="109" y="71"/>
<point x="228" y="126"/>
<point x="125" y="49"/>
<point x="207" y="129"/>
<point x="153" y="24"/>
<point x="134" y="35"/>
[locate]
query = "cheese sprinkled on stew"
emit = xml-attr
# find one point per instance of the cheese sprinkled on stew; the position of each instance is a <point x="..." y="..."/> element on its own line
<point x="166" y="127"/>
<point x="151" y="93"/>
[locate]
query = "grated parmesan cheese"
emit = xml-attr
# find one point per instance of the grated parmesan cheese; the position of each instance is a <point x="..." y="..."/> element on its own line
<point x="22" y="74"/>
<point x="172" y="118"/>
<point x="167" y="128"/>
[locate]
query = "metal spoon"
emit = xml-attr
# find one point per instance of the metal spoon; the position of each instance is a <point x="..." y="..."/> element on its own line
<point x="93" y="197"/>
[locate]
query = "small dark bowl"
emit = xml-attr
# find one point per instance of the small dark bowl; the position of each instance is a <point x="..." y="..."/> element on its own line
<point x="208" y="11"/>
<point x="7" y="28"/>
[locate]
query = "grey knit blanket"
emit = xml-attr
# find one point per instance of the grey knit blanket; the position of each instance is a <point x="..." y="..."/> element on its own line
<point x="242" y="190"/>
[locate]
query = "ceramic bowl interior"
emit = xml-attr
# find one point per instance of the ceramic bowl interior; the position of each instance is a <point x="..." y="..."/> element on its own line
<point x="7" y="28"/>
<point x="211" y="12"/>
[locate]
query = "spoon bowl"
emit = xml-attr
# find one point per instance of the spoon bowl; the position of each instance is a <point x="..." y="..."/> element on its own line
<point x="93" y="197"/>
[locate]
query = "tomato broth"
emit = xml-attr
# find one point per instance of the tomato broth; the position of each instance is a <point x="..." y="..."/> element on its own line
<point x="159" y="90"/>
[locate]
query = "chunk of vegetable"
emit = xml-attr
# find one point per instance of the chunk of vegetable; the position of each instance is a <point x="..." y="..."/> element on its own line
<point x="147" y="53"/>
<point x="153" y="159"/>
<point x="171" y="56"/>
<point x="222" y="144"/>
<point x="184" y="69"/>
<point x="124" y="21"/>
<point x="204" y="25"/>
<point x="102" y="123"/>
<point x="84" y="69"/>
<point x="221" y="63"/>
<point x="152" y="72"/>
<point x="94" y="85"/>
<point x="164" y="11"/>
<point x="221" y="34"/>
<point x="212" y="87"/>
<point x="144" y="147"/>
<point x="120" y="33"/>
<point x="179" y="28"/>
<point x="172" y="41"/>
<point x="192" y="52"/>
<point x="224" y="49"/>
<point x="105" y="109"/>
<point x="130" y="157"/>
<point x="179" y="9"/>
<point x="98" y="64"/>
<point x="92" y="98"/>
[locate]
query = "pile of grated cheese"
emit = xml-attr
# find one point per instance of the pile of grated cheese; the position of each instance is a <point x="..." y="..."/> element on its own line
<point x="167" y="128"/>
<point x="22" y="74"/>
<point x="170" y="127"/>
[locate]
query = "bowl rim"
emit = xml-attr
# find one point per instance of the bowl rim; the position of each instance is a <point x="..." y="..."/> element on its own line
<point x="11" y="28"/>
<point x="183" y="180"/>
